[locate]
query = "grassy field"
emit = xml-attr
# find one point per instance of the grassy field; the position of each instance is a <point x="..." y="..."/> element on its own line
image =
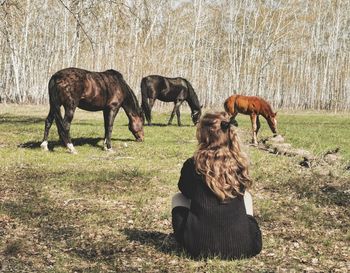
<point x="110" y="212"/>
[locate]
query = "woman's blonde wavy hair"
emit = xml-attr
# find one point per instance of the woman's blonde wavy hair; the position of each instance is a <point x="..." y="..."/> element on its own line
<point x="219" y="157"/>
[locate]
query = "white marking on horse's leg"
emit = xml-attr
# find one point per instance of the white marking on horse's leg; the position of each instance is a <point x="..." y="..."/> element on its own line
<point x="44" y="145"/>
<point x="71" y="148"/>
<point x="105" y="144"/>
<point x="254" y="140"/>
<point x="106" y="148"/>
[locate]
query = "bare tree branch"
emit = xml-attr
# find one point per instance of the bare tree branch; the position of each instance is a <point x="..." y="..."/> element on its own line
<point x="80" y="25"/>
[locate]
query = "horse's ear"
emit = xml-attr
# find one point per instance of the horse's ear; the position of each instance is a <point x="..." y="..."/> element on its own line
<point x="202" y="106"/>
<point x="275" y="113"/>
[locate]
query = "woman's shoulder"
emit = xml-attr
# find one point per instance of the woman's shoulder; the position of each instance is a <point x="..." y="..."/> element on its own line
<point x="189" y="162"/>
<point x="188" y="165"/>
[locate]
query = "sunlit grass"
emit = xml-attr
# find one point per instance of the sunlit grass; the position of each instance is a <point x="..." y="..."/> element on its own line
<point x="110" y="212"/>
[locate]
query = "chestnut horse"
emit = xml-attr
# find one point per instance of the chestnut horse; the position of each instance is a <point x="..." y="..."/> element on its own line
<point x="253" y="106"/>
<point x="165" y="89"/>
<point x="92" y="91"/>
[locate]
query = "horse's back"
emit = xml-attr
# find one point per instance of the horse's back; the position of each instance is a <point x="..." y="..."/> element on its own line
<point x="67" y="83"/>
<point x="70" y="75"/>
<point x="73" y="75"/>
<point x="163" y="88"/>
<point x="153" y="81"/>
<point x="150" y="85"/>
<point x="245" y="104"/>
<point x="88" y="90"/>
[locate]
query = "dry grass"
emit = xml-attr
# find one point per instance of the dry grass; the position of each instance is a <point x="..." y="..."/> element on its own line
<point x="101" y="212"/>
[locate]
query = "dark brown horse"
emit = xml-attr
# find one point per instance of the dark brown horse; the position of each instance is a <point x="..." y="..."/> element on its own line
<point x="253" y="106"/>
<point x="175" y="90"/>
<point x="92" y="91"/>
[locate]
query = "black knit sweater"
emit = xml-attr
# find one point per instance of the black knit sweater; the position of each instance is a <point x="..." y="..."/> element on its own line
<point x="210" y="227"/>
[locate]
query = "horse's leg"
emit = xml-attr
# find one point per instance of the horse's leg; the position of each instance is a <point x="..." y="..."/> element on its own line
<point x="178" y="114"/>
<point x="176" y="108"/>
<point x="257" y="125"/>
<point x="109" y="116"/>
<point x="235" y="113"/>
<point x="253" y="118"/>
<point x="106" y="123"/>
<point x="48" y="123"/>
<point x="150" y="103"/>
<point x="68" y="117"/>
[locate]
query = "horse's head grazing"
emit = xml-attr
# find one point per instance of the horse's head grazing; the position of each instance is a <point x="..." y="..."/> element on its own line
<point x="272" y="121"/>
<point x="136" y="127"/>
<point x="196" y="115"/>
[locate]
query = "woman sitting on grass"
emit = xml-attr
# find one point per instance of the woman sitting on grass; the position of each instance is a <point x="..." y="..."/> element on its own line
<point x="213" y="214"/>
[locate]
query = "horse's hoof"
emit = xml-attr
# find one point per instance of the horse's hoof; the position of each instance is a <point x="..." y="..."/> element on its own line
<point x="109" y="150"/>
<point x="277" y="138"/>
<point x="73" y="151"/>
<point x="44" y="146"/>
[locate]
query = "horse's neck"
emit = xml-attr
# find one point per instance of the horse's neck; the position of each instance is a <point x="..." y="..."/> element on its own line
<point x="130" y="104"/>
<point x="128" y="110"/>
<point x="267" y="110"/>
<point x="192" y="99"/>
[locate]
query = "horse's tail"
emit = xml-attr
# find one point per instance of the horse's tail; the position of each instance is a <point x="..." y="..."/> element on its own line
<point x="226" y="105"/>
<point x="229" y="104"/>
<point x="55" y="106"/>
<point x="144" y="104"/>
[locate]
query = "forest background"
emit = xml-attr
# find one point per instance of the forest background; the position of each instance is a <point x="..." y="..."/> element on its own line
<point x="293" y="53"/>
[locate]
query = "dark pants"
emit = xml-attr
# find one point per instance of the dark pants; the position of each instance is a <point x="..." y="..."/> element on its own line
<point x="179" y="219"/>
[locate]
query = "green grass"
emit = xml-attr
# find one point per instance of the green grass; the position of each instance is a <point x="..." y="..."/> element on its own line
<point x="110" y="212"/>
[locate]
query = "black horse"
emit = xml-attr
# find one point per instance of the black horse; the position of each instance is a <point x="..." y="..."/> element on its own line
<point x="92" y="91"/>
<point x="165" y="89"/>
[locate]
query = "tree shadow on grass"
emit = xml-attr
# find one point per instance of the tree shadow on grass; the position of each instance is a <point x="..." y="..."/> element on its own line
<point x="81" y="141"/>
<point x="163" y="242"/>
<point x="76" y="142"/>
<point x="36" y="144"/>
<point x="166" y="125"/>
<point x="6" y="118"/>
<point x="156" y="125"/>
<point x="124" y="139"/>
<point x="335" y="195"/>
<point x="55" y="222"/>
<point x="322" y="190"/>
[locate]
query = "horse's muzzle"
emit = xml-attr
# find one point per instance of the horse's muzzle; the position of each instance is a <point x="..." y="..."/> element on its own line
<point x="139" y="137"/>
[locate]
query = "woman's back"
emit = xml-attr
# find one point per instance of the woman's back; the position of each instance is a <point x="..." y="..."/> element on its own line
<point x="214" y="228"/>
<point x="213" y="214"/>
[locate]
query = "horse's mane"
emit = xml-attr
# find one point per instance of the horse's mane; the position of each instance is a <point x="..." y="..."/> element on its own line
<point x="193" y="100"/>
<point x="130" y="98"/>
<point x="267" y="107"/>
<point x="115" y="73"/>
